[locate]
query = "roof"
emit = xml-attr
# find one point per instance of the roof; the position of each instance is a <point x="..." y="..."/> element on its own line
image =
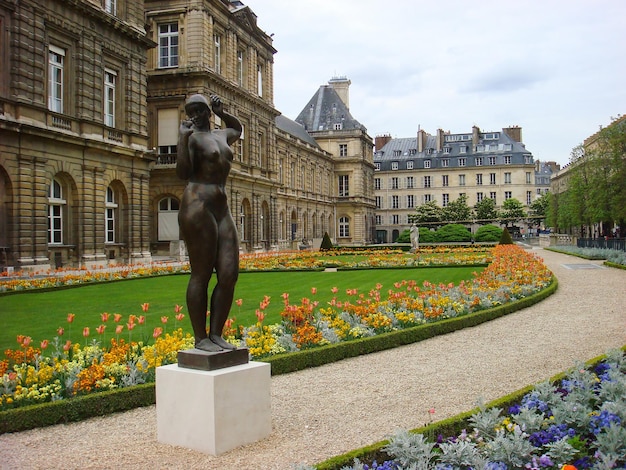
<point x="496" y="144"/>
<point x="293" y="128"/>
<point x="326" y="111"/>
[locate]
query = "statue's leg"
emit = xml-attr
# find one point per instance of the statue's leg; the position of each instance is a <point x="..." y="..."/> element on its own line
<point x="200" y="233"/>
<point x="227" y="270"/>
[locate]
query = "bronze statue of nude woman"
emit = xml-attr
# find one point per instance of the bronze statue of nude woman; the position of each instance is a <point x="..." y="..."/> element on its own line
<point x="207" y="227"/>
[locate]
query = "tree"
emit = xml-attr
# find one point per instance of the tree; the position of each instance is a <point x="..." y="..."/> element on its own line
<point x="327" y="244"/>
<point x="506" y="239"/>
<point x="457" y="210"/>
<point x="539" y="207"/>
<point x="485" y="210"/>
<point x="428" y="213"/>
<point x="512" y="211"/>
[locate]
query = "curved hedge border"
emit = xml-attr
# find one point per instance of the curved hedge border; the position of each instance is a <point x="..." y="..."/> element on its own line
<point x="111" y="401"/>
<point x="446" y="427"/>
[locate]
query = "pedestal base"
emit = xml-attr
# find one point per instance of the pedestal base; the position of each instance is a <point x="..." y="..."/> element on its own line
<point x="213" y="411"/>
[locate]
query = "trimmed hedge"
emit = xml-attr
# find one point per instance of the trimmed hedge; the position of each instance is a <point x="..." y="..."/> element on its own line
<point x="111" y="401"/>
<point x="447" y="427"/>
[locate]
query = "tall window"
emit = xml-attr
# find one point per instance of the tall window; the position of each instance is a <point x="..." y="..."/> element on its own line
<point x="344" y="227"/>
<point x="410" y="201"/>
<point x="492" y="195"/>
<point x="508" y="195"/>
<point x="529" y="196"/>
<point x="445" y="162"/>
<point x="110" y="217"/>
<point x="479" y="179"/>
<point x="259" y="78"/>
<point x="240" y="57"/>
<point x="377" y="184"/>
<point x="479" y="197"/>
<point x="167" y="134"/>
<point x="445" y="200"/>
<point x="395" y="219"/>
<point x="56" y="206"/>
<point x="492" y="160"/>
<point x="444" y="180"/>
<point x="507" y="159"/>
<point x="379" y="201"/>
<point x="492" y="178"/>
<point x="110" y="6"/>
<point x="462" y="161"/>
<point x="394" y="183"/>
<point x="409" y="182"/>
<point x="479" y="161"/>
<point x="427" y="181"/>
<point x="343" y="150"/>
<point x="168" y="45"/>
<point x="56" y="61"/>
<point x="168" y="219"/>
<point x="217" y="53"/>
<point x="110" y="79"/>
<point x="461" y="180"/>
<point x="507" y="178"/>
<point x="344" y="190"/>
<point x="528" y="177"/>
<point x="395" y="202"/>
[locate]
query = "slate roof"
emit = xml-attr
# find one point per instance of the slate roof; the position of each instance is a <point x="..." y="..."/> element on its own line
<point x="404" y="149"/>
<point x="293" y="128"/>
<point x="324" y="110"/>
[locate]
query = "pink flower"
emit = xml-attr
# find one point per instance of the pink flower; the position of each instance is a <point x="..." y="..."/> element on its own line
<point x="130" y="325"/>
<point x="70" y="317"/>
<point x="178" y="308"/>
<point x="313" y="290"/>
<point x="117" y="317"/>
<point x="145" y="307"/>
<point x="86" y="331"/>
<point x="260" y="315"/>
<point x="118" y="329"/>
<point x="180" y="316"/>
<point x="334" y="290"/>
<point x="239" y="302"/>
<point x="44" y="344"/>
<point x="67" y="346"/>
<point x="141" y="320"/>
<point x="164" y="319"/>
<point x="431" y="411"/>
<point x="26" y="341"/>
<point x="60" y="331"/>
<point x="100" y="329"/>
<point x="105" y="317"/>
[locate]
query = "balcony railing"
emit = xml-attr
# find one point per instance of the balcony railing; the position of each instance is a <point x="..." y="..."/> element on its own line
<point x="166" y="159"/>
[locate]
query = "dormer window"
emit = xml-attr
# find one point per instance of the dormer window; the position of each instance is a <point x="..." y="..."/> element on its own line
<point x="397" y="153"/>
<point x="446" y="150"/>
<point x="338" y="126"/>
<point x="426" y="163"/>
<point x="394" y="165"/>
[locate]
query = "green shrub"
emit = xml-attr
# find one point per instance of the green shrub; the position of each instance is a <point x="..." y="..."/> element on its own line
<point x="488" y="233"/>
<point x="326" y="243"/>
<point x="404" y="237"/>
<point x="453" y="233"/>
<point x="506" y="239"/>
<point x="427" y="235"/>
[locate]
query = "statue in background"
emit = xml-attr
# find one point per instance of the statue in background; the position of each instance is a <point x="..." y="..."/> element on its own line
<point x="415" y="238"/>
<point x="207" y="227"/>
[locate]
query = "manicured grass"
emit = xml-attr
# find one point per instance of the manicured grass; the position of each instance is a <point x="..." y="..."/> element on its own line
<point x="39" y="314"/>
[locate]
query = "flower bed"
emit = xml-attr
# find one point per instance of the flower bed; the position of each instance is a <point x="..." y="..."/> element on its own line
<point x="578" y="422"/>
<point x="69" y="370"/>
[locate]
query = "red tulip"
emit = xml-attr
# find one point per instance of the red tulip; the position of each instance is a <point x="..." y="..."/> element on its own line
<point x="67" y="346"/>
<point x="100" y="329"/>
<point x="141" y="320"/>
<point x="86" y="331"/>
<point x="180" y="316"/>
<point x="44" y="344"/>
<point x="105" y="316"/>
<point x="70" y="317"/>
<point x="178" y="308"/>
<point x="60" y="331"/>
<point x="145" y="307"/>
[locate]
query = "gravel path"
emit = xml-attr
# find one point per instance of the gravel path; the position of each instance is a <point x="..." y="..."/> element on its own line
<point x="326" y="411"/>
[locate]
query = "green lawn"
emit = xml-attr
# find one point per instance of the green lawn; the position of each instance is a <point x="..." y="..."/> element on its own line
<point x="39" y="314"/>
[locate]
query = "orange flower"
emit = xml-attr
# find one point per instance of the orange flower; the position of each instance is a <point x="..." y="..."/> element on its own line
<point x="105" y="316"/>
<point x="313" y="290"/>
<point x="100" y="329"/>
<point x="44" y="344"/>
<point x="180" y="316"/>
<point x="118" y="329"/>
<point x="568" y="467"/>
<point x="239" y="302"/>
<point x="117" y="317"/>
<point x="141" y="320"/>
<point x="178" y="308"/>
<point x="130" y="325"/>
<point x="86" y="331"/>
<point x="145" y="307"/>
<point x="60" y="331"/>
<point x="67" y="346"/>
<point x="70" y="317"/>
<point x="158" y="331"/>
<point x="260" y="315"/>
<point x="164" y="319"/>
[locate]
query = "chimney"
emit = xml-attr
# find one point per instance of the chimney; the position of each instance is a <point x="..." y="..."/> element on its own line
<point x="475" y="135"/>
<point x="421" y="140"/>
<point x="514" y="132"/>
<point x="439" y="140"/>
<point x="381" y="140"/>
<point x="342" y="86"/>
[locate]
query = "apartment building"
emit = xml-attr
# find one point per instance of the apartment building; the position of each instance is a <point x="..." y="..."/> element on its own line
<point x="442" y="167"/>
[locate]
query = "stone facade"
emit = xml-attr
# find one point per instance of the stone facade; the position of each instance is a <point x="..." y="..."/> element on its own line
<point x="74" y="166"/>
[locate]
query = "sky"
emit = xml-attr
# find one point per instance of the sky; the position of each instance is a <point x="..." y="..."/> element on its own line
<point x="556" y="68"/>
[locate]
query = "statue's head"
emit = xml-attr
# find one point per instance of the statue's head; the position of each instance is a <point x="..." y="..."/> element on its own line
<point x="195" y="100"/>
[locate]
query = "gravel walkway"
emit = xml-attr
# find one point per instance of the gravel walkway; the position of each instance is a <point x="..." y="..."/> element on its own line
<point x="326" y="411"/>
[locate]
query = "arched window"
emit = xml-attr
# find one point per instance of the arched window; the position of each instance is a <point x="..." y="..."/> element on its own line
<point x="111" y="216"/>
<point x="344" y="227"/>
<point x="56" y="211"/>
<point x="168" y="219"/>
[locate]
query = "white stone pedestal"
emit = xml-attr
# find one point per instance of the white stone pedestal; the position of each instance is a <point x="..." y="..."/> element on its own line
<point x="213" y="411"/>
